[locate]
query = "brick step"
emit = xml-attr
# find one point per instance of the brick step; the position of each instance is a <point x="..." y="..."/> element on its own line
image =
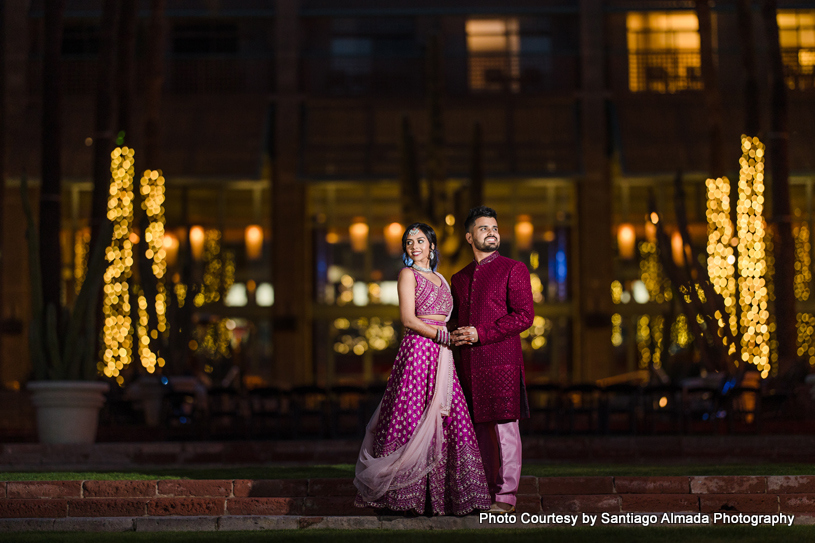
<point x="334" y="497"/>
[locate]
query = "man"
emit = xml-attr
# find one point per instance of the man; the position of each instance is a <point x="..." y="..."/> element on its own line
<point x="493" y="305"/>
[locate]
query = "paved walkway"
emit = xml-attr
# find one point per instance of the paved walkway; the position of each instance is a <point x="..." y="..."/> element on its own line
<point x="259" y="522"/>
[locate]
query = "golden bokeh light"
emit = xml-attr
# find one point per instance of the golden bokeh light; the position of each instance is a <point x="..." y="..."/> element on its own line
<point x="752" y="266"/>
<point x="117" y="330"/>
<point x="153" y="193"/>
<point x="721" y="262"/>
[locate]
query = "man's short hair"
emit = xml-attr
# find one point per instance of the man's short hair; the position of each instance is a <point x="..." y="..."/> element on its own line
<point x="476" y="213"/>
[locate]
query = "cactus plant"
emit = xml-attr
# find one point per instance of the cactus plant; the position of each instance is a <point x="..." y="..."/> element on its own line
<point x="66" y="351"/>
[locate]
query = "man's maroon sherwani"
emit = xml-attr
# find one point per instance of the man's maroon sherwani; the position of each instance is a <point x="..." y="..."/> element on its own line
<point x="494" y="296"/>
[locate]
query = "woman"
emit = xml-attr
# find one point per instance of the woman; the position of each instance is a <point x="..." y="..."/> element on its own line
<point x="420" y="441"/>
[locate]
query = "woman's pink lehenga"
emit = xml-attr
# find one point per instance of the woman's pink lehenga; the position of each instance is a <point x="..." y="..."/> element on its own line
<point x="420" y="442"/>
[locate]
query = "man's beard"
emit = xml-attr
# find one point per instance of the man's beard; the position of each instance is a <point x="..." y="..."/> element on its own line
<point x="484" y="248"/>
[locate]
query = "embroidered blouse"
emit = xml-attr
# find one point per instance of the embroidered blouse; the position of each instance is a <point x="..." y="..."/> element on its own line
<point x="432" y="299"/>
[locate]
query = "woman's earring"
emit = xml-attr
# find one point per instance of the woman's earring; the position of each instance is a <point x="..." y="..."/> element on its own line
<point x="432" y="255"/>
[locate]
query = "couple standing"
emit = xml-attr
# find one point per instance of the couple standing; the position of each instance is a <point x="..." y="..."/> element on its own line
<point x="420" y="444"/>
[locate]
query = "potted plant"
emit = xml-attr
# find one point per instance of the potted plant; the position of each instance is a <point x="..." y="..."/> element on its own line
<point x="63" y="351"/>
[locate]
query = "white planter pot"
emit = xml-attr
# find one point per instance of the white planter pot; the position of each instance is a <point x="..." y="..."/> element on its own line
<point x="67" y="411"/>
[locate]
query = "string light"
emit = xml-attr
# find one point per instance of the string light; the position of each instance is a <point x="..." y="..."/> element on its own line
<point x="651" y="273"/>
<point x="212" y="269"/>
<point x="363" y="335"/>
<point x="153" y="191"/>
<point x="215" y="342"/>
<point x="537" y="287"/>
<point x="219" y="270"/>
<point x="753" y="294"/>
<point x="770" y="273"/>
<point x="680" y="335"/>
<point x="380" y="336"/>
<point x="803" y="263"/>
<point x="181" y="294"/>
<point x="118" y="342"/>
<point x="644" y="340"/>
<point x="721" y="262"/>
<point x="535" y="337"/>
<point x="805" y="322"/>
<point x="656" y="332"/>
<point x="616" y="292"/>
<point x="616" y="329"/>
<point x="374" y="293"/>
<point x="148" y="358"/>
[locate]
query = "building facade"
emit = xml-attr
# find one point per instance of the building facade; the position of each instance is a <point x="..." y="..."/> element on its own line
<point x="292" y="119"/>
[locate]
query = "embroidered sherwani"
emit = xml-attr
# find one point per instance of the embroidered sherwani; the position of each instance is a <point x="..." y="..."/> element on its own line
<point x="494" y="296"/>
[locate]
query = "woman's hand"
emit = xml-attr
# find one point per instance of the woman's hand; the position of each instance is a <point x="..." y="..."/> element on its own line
<point x="466" y="335"/>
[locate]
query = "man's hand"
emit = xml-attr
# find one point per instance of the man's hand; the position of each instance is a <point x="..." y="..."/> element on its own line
<point x="466" y="335"/>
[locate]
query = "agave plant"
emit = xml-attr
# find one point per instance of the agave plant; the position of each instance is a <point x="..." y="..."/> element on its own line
<point x="63" y="349"/>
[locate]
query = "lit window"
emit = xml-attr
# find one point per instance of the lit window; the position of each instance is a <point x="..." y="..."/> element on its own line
<point x="796" y="34"/>
<point x="663" y="52"/>
<point x="493" y="46"/>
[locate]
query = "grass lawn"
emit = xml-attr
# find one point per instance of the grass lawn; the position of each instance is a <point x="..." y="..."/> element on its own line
<point x="347" y="471"/>
<point x="714" y="534"/>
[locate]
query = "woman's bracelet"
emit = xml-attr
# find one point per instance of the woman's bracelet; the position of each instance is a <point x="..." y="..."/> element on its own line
<point x="442" y="337"/>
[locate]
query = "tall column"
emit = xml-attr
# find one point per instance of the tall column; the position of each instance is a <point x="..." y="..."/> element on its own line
<point x="291" y="240"/>
<point x="2" y="169"/>
<point x="14" y="277"/>
<point x="593" y="248"/>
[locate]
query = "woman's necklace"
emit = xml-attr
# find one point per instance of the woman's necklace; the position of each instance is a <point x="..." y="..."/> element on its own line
<point x="421" y="269"/>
